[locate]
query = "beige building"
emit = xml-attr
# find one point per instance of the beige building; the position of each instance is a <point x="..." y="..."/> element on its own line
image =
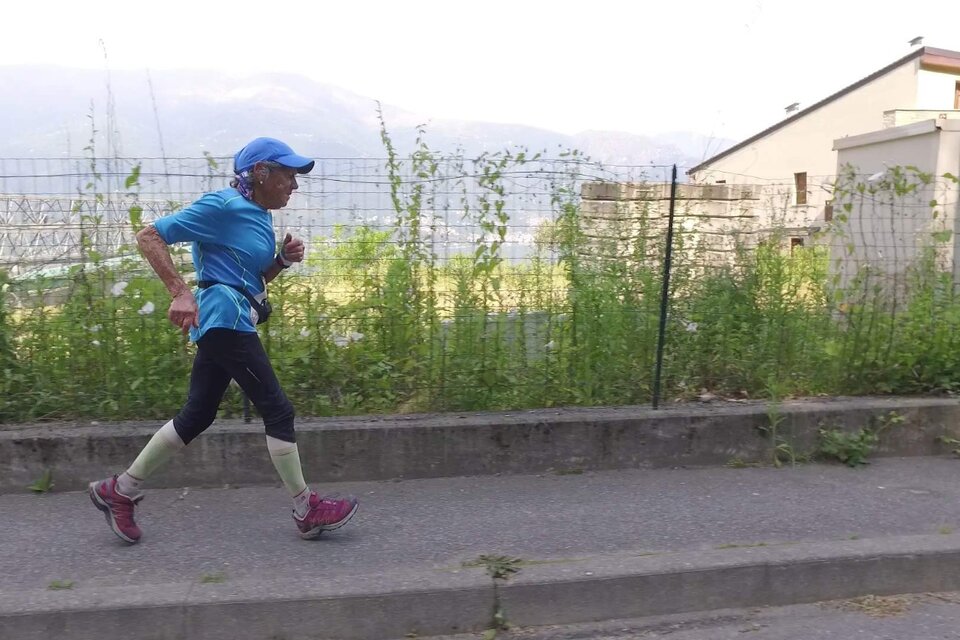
<point x="896" y="201"/>
<point x="793" y="164"/>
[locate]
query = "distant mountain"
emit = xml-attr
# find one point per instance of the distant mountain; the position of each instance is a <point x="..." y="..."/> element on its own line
<point x="52" y="113"/>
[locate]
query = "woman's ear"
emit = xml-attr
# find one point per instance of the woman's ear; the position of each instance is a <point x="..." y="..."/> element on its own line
<point x="260" y="173"/>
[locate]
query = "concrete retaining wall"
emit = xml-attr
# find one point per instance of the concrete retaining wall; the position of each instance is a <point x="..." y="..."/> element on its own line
<point x="463" y="444"/>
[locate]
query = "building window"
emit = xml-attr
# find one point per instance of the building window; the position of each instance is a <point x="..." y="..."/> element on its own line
<point x="794" y="243"/>
<point x="828" y="211"/>
<point x="800" y="181"/>
<point x="956" y="95"/>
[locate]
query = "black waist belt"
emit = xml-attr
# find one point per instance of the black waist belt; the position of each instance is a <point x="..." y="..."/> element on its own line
<point x="263" y="309"/>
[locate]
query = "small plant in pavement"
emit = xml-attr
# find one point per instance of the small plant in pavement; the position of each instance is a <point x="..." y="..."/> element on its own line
<point x="951" y="442"/>
<point x="876" y="606"/>
<point x="740" y="546"/>
<point x="849" y="448"/>
<point x="852" y="448"/>
<point x="783" y="450"/>
<point x="60" y="585"/>
<point x="44" y="483"/>
<point x="498" y="568"/>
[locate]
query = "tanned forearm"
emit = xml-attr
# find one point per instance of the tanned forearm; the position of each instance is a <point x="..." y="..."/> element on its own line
<point x="157" y="253"/>
<point x="272" y="272"/>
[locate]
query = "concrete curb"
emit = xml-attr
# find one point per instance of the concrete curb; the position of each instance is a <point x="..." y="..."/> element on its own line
<point x="464" y="444"/>
<point x="456" y="601"/>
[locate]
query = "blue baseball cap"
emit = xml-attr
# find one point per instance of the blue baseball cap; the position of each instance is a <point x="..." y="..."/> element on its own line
<point x="270" y="150"/>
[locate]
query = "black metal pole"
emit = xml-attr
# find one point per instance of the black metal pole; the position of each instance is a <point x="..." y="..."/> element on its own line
<point x="665" y="293"/>
<point x="246" y="408"/>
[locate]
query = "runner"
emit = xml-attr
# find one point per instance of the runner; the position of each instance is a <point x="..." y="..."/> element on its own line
<point x="234" y="256"/>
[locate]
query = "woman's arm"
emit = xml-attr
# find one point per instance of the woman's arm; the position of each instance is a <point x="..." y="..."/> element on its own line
<point x="183" y="311"/>
<point x="272" y="271"/>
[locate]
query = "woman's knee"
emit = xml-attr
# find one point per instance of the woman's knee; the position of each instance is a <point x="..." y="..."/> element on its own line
<point x="190" y="422"/>
<point x="278" y="419"/>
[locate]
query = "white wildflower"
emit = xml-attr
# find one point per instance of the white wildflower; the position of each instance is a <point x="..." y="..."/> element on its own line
<point x="355" y="336"/>
<point x="147" y="309"/>
<point x="341" y="341"/>
<point x="118" y="288"/>
<point x="691" y="327"/>
<point x="95" y="328"/>
<point x="95" y="343"/>
<point x="550" y="345"/>
<point x="304" y="333"/>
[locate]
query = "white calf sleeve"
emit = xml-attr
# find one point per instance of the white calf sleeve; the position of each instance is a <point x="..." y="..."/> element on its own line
<point x="286" y="459"/>
<point x="161" y="447"/>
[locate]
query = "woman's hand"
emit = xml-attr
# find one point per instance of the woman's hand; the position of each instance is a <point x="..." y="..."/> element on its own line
<point x="292" y="249"/>
<point x="184" y="312"/>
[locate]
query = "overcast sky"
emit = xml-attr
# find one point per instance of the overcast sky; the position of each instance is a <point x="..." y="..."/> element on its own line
<point x="722" y="68"/>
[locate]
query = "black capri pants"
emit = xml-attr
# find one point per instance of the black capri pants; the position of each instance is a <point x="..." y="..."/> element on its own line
<point x="222" y="355"/>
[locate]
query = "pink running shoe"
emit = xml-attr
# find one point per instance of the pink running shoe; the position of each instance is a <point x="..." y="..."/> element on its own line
<point x="117" y="507"/>
<point x="325" y="514"/>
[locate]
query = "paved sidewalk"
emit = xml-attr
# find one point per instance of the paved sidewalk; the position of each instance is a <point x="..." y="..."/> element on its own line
<point x="227" y="563"/>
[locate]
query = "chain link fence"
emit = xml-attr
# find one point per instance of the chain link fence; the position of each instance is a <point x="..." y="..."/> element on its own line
<point x="506" y="281"/>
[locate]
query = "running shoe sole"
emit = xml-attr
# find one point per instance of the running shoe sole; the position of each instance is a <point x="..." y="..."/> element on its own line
<point x="316" y="531"/>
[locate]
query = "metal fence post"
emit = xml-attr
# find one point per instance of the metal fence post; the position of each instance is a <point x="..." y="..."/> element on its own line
<point x="665" y="293"/>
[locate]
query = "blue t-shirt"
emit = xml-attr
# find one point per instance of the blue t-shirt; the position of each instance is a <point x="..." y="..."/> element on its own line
<point x="234" y="243"/>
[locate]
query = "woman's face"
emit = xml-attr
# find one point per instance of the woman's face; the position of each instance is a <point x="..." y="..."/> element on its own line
<point x="275" y="190"/>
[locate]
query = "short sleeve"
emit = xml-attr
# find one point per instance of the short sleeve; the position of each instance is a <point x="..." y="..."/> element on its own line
<point x="198" y="222"/>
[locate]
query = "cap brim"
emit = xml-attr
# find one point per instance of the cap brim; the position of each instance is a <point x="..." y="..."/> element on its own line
<point x="294" y="161"/>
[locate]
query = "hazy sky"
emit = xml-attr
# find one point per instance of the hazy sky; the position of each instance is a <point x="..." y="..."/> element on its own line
<point x="723" y="68"/>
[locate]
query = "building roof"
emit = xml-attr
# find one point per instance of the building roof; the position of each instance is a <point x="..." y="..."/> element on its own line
<point x="930" y="58"/>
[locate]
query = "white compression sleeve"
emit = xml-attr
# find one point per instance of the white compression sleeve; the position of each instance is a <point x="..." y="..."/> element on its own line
<point x="286" y="459"/>
<point x="162" y="446"/>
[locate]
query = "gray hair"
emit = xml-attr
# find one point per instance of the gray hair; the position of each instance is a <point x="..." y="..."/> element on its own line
<point x="246" y="177"/>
